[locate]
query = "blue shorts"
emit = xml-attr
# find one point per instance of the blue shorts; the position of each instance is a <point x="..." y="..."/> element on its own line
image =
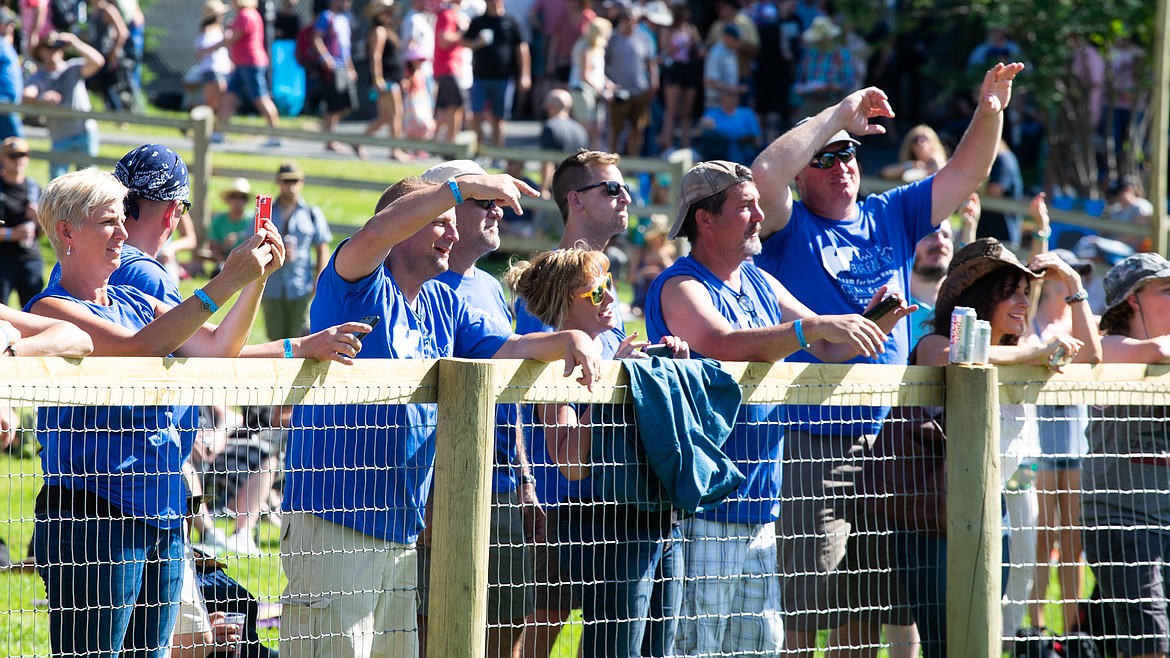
<point x="496" y="92"/>
<point x="250" y="83"/>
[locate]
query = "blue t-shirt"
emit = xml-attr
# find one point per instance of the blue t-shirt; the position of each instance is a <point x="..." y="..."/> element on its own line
<point x="138" y="270"/>
<point x="835" y="267"/>
<point x="131" y="456"/>
<point x="551" y="486"/>
<point x="369" y="467"/>
<point x="483" y="294"/>
<point x="754" y="444"/>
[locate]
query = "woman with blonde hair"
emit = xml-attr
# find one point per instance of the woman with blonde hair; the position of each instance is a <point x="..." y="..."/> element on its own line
<point x="629" y="560"/>
<point x="590" y="87"/>
<point x="922" y="154"/>
<point x="109" y="535"/>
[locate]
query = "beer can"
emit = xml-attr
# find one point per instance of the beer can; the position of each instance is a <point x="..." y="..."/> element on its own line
<point x="982" y="342"/>
<point x="962" y="331"/>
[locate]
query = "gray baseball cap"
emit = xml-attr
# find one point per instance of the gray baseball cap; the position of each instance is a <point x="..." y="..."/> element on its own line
<point x="839" y="136"/>
<point x="704" y="180"/>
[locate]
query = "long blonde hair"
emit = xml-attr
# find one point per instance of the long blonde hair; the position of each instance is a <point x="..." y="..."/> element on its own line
<point x="547" y="281"/>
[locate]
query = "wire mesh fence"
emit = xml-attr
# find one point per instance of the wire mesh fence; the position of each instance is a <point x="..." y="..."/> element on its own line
<point x="382" y="509"/>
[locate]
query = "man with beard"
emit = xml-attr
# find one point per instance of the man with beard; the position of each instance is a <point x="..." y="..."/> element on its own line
<point x="932" y="257"/>
<point x="726" y="308"/>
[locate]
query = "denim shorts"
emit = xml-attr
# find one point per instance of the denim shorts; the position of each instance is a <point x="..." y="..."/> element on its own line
<point x="497" y="92"/>
<point x="250" y="83"/>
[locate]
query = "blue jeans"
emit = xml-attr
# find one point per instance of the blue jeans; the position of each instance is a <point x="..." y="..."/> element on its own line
<point x="631" y="569"/>
<point x="113" y="585"/>
<point x="86" y="142"/>
<point x="921" y="562"/>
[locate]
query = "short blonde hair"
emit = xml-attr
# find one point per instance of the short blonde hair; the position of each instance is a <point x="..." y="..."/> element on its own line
<point x="73" y="197"/>
<point x="547" y="281"/>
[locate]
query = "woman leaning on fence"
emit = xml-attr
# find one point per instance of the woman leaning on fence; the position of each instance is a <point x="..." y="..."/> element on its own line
<point x="627" y="562"/>
<point x="987" y="277"/>
<point x="108" y="538"/>
<point x="1124" y="507"/>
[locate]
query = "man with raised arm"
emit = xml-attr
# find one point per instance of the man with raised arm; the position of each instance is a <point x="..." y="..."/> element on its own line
<point x="358" y="476"/>
<point x="833" y="252"/>
<point x="733" y="311"/>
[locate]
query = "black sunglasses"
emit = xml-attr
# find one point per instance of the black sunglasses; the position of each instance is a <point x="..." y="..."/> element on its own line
<point x="486" y="204"/>
<point x="826" y="159"/>
<point x="16" y="155"/>
<point x="186" y="205"/>
<point x="612" y="188"/>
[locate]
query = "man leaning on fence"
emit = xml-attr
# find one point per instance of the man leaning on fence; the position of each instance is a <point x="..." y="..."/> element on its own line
<point x="514" y="503"/>
<point x="833" y="253"/>
<point x="726" y="308"/>
<point x="358" y="477"/>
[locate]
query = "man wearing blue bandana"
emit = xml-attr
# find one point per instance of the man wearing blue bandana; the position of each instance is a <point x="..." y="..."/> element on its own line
<point x="834" y="253"/>
<point x="358" y="476"/>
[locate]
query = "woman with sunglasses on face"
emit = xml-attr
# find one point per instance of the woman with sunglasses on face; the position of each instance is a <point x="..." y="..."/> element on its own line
<point x="1124" y="507"/>
<point x="987" y="277"/>
<point x="108" y="539"/>
<point x="629" y="561"/>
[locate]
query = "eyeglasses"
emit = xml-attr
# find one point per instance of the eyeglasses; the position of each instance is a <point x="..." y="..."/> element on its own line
<point x="486" y="204"/>
<point x="612" y="188"/>
<point x="826" y="159"/>
<point x="16" y="155"/>
<point x="185" y="204"/>
<point x="597" y="294"/>
<point x="748" y="306"/>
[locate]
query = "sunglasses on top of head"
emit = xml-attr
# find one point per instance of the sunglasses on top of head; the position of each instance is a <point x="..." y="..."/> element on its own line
<point x="612" y="188"/>
<point x="597" y="294"/>
<point x="826" y="159"/>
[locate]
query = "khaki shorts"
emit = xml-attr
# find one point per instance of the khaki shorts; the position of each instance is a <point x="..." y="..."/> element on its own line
<point x="348" y="593"/>
<point x="834" y="556"/>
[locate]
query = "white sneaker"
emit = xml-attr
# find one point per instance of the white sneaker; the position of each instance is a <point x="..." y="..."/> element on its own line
<point x="213" y="541"/>
<point x="273" y="141"/>
<point x="241" y="543"/>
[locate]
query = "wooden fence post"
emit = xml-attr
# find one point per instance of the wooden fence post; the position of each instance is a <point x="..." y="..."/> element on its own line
<point x="202" y="125"/>
<point x="462" y="498"/>
<point x="974" y="517"/>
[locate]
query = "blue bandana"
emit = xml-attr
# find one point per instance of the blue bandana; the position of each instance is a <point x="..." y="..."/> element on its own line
<point x="153" y="172"/>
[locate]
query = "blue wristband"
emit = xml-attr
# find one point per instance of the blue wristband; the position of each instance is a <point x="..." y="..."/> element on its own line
<point x="798" y="326"/>
<point x="208" y="305"/>
<point x="451" y="183"/>
<point x="288" y="348"/>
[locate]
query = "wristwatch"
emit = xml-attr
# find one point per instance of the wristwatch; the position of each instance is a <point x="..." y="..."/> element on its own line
<point x="1078" y="296"/>
<point x="528" y="478"/>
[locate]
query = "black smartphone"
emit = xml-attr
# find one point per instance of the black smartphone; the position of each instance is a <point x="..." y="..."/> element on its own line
<point x="885" y="306"/>
<point x="372" y="320"/>
<point x="659" y="350"/>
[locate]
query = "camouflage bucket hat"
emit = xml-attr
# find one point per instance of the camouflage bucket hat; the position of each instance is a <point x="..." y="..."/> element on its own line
<point x="1130" y="274"/>
<point x="975" y="261"/>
